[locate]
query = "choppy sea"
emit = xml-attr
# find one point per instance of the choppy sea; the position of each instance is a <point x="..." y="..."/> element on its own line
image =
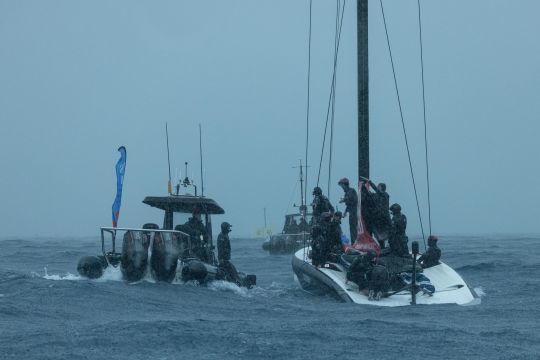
<point x="47" y="311"/>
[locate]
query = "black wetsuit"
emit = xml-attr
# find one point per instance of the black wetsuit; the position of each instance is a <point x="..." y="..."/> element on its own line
<point x="398" y="239"/>
<point x="359" y="271"/>
<point x="333" y="237"/>
<point x="369" y="209"/>
<point x="320" y="205"/>
<point x="224" y="257"/>
<point x="431" y="257"/>
<point x="381" y="221"/>
<point x="351" y="207"/>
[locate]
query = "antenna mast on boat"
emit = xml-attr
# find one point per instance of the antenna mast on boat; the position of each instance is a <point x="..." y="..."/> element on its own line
<point x="200" y="152"/>
<point x="363" y="88"/>
<point x="169" y="188"/>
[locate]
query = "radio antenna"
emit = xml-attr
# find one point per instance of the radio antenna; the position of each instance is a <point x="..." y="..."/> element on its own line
<point x="169" y="187"/>
<point x="200" y="152"/>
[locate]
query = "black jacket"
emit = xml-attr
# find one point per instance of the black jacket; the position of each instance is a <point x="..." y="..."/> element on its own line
<point x="431" y="257"/>
<point x="399" y="225"/>
<point x="351" y="201"/>
<point x="224" y="247"/>
<point x="321" y="204"/>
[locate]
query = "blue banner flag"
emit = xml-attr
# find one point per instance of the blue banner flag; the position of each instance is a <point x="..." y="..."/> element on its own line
<point x="120" y="171"/>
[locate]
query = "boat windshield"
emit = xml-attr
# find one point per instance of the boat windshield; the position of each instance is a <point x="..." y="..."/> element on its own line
<point x="180" y="218"/>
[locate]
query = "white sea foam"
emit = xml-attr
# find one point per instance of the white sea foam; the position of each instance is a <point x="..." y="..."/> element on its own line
<point x="479" y="291"/>
<point x="56" y="277"/>
<point x="221" y="285"/>
<point x="109" y="274"/>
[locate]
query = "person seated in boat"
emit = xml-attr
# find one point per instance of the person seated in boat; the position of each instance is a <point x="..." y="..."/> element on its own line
<point x="224" y="254"/>
<point x="291" y="226"/>
<point x="320" y="205"/>
<point x="398" y="239"/>
<point x="378" y="282"/>
<point x="350" y="199"/>
<point x="432" y="255"/>
<point x="360" y="269"/>
<point x="199" y="235"/>
<point x="303" y="225"/>
<point x="381" y="218"/>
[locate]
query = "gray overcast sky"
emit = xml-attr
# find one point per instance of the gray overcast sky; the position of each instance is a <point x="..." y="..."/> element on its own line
<point x="80" y="78"/>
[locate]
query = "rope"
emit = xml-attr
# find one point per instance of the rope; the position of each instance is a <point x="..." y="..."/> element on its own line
<point x="424" y="107"/>
<point x="332" y="91"/>
<point x="308" y="89"/>
<point x="291" y="198"/>
<point x="403" y="123"/>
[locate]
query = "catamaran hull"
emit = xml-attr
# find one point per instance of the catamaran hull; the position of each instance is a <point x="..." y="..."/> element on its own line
<point x="331" y="280"/>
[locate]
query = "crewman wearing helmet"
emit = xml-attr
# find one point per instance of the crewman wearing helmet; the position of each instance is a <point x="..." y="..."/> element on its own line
<point x="359" y="270"/>
<point x="351" y="207"/>
<point x="320" y="205"/>
<point x="398" y="238"/>
<point x="224" y="253"/>
<point x="432" y="255"/>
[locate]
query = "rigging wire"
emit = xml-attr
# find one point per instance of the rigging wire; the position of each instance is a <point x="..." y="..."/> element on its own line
<point x="424" y="108"/>
<point x="332" y="91"/>
<point x="403" y="123"/>
<point x="291" y="198"/>
<point x="308" y="94"/>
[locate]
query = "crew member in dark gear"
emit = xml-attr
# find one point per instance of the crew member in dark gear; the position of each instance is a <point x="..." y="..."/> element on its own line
<point x="382" y="221"/>
<point x="432" y="255"/>
<point x="360" y="269"/>
<point x="351" y="207"/>
<point x="334" y="234"/>
<point x="369" y="206"/>
<point x="224" y="253"/>
<point x="317" y="245"/>
<point x="199" y="235"/>
<point x="320" y="205"/>
<point x="378" y="282"/>
<point x="398" y="238"/>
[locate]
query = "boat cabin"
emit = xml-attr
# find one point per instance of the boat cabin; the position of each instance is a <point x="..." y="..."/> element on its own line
<point x="296" y="224"/>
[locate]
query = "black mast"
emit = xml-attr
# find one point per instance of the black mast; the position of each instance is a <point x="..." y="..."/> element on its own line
<point x="363" y="88"/>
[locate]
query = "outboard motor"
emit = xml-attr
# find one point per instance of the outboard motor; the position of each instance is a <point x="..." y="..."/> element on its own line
<point x="164" y="261"/>
<point x="91" y="266"/>
<point x="134" y="259"/>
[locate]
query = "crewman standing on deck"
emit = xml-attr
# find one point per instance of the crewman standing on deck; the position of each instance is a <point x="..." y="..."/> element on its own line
<point x="351" y="207"/>
<point x="320" y="205"/>
<point x="224" y="253"/>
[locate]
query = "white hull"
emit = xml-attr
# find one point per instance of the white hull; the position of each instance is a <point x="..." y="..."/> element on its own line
<point x="449" y="286"/>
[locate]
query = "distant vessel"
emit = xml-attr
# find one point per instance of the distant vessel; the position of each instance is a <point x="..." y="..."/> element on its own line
<point x="331" y="277"/>
<point x="296" y="229"/>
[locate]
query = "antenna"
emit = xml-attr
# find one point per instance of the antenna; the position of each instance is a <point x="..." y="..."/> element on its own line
<point x="200" y="152"/>
<point x="168" y="158"/>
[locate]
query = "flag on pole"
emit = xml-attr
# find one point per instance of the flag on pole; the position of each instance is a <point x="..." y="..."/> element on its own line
<point x="120" y="171"/>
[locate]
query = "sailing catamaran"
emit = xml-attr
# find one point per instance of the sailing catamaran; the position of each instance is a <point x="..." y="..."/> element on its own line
<point x="331" y="277"/>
